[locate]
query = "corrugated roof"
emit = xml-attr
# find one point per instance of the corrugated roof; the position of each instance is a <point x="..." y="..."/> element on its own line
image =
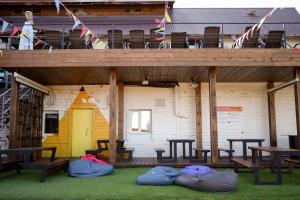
<point x="191" y="21"/>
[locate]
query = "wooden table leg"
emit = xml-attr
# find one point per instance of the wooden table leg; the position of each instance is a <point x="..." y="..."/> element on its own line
<point x="190" y="151"/>
<point x="183" y="149"/>
<point x="278" y="168"/>
<point x="244" y="150"/>
<point x="175" y="152"/>
<point x="260" y="152"/>
<point x="171" y="149"/>
<point x="254" y="155"/>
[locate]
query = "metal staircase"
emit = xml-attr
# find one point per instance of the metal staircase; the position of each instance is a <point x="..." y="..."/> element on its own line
<point x="5" y="104"/>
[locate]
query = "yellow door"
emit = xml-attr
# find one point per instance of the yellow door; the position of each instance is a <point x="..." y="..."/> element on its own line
<point x="82" y="131"/>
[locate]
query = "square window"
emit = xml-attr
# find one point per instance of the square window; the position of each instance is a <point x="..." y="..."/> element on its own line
<point x="140" y="121"/>
<point x="51" y="121"/>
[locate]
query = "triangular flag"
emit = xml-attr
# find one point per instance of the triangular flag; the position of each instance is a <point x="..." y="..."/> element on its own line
<point x="159" y="38"/>
<point x="158" y="21"/>
<point x="167" y="16"/>
<point x="84" y="30"/>
<point x="38" y="42"/>
<point x="88" y="32"/>
<point x="93" y="36"/>
<point x="77" y="23"/>
<point x="15" y="30"/>
<point x="4" y="26"/>
<point x="159" y="30"/>
<point x="50" y="49"/>
<point x="57" y="4"/>
<point x="296" y="51"/>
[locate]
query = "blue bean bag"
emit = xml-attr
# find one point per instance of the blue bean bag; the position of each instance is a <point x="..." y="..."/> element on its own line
<point x="88" y="169"/>
<point x="196" y="170"/>
<point x="158" y="176"/>
<point x="220" y="181"/>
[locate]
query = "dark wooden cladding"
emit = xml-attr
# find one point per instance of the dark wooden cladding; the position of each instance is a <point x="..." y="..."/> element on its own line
<point x="297" y="104"/>
<point x="272" y="116"/>
<point x="14" y="114"/>
<point x="151" y="58"/>
<point x="121" y="111"/>
<point x="213" y="115"/>
<point x="113" y="107"/>
<point x="198" y="117"/>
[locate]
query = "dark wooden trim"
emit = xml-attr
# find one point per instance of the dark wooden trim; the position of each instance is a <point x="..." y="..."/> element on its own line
<point x="14" y="114"/>
<point x="150" y="58"/>
<point x="297" y="104"/>
<point x="272" y="115"/>
<point x="213" y="115"/>
<point x="198" y="118"/>
<point x="112" y="116"/>
<point x="121" y="111"/>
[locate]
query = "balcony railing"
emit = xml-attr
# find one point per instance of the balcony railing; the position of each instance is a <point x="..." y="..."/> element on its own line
<point x="144" y="35"/>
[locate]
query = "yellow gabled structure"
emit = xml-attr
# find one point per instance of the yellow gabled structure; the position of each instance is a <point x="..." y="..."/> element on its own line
<point x="63" y="140"/>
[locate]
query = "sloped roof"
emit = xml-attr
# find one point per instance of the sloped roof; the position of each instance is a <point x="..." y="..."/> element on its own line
<point x="81" y="1"/>
<point x="192" y="21"/>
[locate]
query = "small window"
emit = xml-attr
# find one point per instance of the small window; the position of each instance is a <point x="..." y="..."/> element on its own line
<point x="140" y="121"/>
<point x="51" y="122"/>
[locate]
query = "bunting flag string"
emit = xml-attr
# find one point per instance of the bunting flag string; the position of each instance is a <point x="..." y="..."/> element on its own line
<point x="16" y="29"/>
<point x="85" y="31"/>
<point x="296" y="51"/>
<point x="238" y="43"/>
<point x="161" y="27"/>
<point x="167" y="16"/>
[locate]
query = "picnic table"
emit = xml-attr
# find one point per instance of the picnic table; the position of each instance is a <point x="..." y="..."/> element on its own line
<point x="276" y="154"/>
<point x="245" y="142"/>
<point x="173" y="148"/>
<point x="46" y="166"/>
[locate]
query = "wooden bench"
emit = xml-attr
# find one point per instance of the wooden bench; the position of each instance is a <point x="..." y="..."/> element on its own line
<point x="291" y="163"/>
<point x="253" y="166"/>
<point x="159" y="152"/>
<point x="9" y="165"/>
<point x="47" y="166"/>
<point x="229" y="151"/>
<point x="128" y="151"/>
<point x="202" y="151"/>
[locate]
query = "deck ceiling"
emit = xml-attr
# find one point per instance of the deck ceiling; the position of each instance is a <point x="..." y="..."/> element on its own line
<point x="68" y="67"/>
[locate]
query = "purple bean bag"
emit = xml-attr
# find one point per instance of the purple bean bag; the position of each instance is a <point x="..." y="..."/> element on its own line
<point x="196" y="170"/>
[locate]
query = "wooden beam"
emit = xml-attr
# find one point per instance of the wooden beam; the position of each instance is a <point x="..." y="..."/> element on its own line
<point x="213" y="115"/>
<point x="112" y="116"/>
<point x="121" y="111"/>
<point x="297" y="105"/>
<point x="14" y="114"/>
<point x="272" y="116"/>
<point x="150" y="58"/>
<point x="198" y="117"/>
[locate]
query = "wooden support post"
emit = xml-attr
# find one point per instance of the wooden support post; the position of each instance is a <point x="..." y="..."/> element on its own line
<point x="272" y="116"/>
<point x="112" y="116"/>
<point x="297" y="104"/>
<point x="14" y="114"/>
<point x="198" y="118"/>
<point x="121" y="111"/>
<point x="213" y="116"/>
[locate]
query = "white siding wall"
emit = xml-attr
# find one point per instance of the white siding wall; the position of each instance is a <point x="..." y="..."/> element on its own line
<point x="166" y="125"/>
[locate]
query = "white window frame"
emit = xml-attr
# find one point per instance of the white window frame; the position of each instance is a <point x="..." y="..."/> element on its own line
<point x="44" y="121"/>
<point x="139" y="131"/>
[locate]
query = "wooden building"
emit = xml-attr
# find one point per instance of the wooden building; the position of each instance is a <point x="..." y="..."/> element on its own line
<point x="147" y="96"/>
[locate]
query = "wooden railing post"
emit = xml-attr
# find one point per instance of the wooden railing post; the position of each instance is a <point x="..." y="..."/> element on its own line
<point x="213" y="115"/>
<point x="112" y="115"/>
<point x="198" y="118"/>
<point x="121" y="111"/>
<point x="272" y="116"/>
<point x="14" y="114"/>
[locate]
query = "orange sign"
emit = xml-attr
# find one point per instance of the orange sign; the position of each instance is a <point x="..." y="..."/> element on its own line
<point x="229" y="109"/>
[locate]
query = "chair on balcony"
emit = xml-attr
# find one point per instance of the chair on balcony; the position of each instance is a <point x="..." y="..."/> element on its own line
<point x="136" y="39"/>
<point x="115" y="39"/>
<point x="211" y="37"/>
<point x="153" y="43"/>
<point x="253" y="39"/>
<point x="76" y="42"/>
<point x="53" y="38"/>
<point x="178" y="40"/>
<point x="274" y="39"/>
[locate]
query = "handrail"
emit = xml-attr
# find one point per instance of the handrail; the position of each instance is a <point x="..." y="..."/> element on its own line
<point x="4" y="93"/>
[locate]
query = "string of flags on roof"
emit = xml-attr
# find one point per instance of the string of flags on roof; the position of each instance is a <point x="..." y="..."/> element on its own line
<point x="238" y="43"/>
<point x="85" y="31"/>
<point x="14" y="30"/>
<point x="161" y="27"/>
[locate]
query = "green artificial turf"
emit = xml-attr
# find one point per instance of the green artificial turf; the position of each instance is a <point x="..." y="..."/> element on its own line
<point x="121" y="185"/>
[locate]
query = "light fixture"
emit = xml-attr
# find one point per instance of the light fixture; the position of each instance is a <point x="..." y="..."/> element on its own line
<point x="194" y="83"/>
<point x="82" y="89"/>
<point x="145" y="81"/>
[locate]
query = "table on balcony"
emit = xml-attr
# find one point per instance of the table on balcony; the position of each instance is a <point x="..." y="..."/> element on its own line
<point x="245" y="141"/>
<point x="173" y="148"/>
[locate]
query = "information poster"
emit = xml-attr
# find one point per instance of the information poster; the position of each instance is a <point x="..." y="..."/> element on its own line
<point x="229" y="115"/>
